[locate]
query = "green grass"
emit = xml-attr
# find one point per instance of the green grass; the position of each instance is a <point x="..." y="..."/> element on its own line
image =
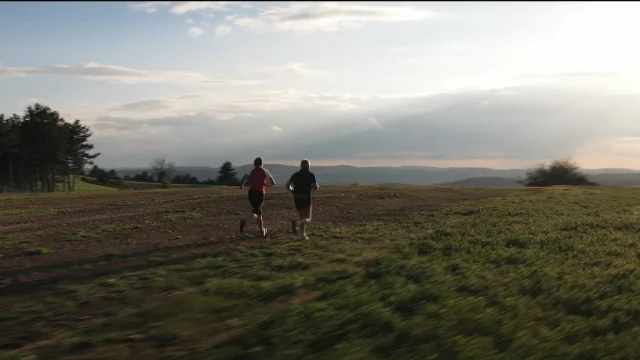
<point x="155" y="185"/>
<point x="27" y="212"/>
<point x="139" y="185"/>
<point x="80" y="186"/>
<point x="83" y="186"/>
<point x="548" y="275"/>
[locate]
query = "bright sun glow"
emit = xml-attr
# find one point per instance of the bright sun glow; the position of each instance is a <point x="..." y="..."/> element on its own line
<point x="599" y="37"/>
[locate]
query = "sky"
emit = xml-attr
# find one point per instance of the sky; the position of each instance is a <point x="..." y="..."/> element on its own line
<point x="491" y="84"/>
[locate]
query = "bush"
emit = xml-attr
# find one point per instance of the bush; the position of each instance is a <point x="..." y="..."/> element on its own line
<point x="559" y="172"/>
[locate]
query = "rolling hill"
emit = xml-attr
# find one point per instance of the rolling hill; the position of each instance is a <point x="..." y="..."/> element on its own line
<point x="410" y="175"/>
<point x="491" y="181"/>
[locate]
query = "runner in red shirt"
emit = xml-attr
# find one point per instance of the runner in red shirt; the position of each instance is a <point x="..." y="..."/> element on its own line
<point x="258" y="179"/>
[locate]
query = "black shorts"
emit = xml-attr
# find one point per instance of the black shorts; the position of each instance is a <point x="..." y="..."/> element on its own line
<point x="302" y="201"/>
<point x="256" y="199"/>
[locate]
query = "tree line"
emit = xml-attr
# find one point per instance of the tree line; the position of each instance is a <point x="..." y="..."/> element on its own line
<point x="558" y="172"/>
<point x="162" y="171"/>
<point x="41" y="152"/>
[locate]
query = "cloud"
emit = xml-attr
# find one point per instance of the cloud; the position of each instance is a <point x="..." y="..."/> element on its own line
<point x="293" y="16"/>
<point x="120" y="74"/>
<point x="522" y="124"/>
<point x="452" y="127"/>
<point x="222" y="30"/>
<point x="132" y="124"/>
<point x="401" y="50"/>
<point x="457" y="46"/>
<point x="149" y="6"/>
<point x="326" y="16"/>
<point x="625" y="146"/>
<point x="228" y="106"/>
<point x="231" y="82"/>
<point x="371" y="123"/>
<point x="146" y="105"/>
<point x="297" y="69"/>
<point x="195" y="31"/>
<point x="586" y="80"/>
<point x="195" y="6"/>
<point x="181" y="126"/>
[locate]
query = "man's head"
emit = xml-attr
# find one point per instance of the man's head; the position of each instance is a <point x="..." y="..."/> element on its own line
<point x="257" y="162"/>
<point x="304" y="164"/>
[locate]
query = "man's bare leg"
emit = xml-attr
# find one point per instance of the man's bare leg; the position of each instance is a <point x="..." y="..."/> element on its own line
<point x="248" y="216"/>
<point x="295" y="224"/>
<point x="304" y="219"/>
<point x="263" y="230"/>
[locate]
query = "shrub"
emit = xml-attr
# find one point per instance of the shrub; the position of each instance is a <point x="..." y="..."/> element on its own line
<point x="559" y="172"/>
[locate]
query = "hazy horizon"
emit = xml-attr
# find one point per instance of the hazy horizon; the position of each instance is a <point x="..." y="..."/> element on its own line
<point x="365" y="163"/>
<point x="446" y="84"/>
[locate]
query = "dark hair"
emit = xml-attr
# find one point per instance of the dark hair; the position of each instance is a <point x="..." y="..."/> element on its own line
<point x="257" y="162"/>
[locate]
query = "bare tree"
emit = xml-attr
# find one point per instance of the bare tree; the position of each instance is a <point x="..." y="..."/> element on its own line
<point x="169" y="171"/>
<point x="157" y="168"/>
<point x="162" y="170"/>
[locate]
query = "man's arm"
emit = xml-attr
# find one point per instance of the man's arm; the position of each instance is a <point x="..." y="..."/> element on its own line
<point x="314" y="183"/>
<point x="269" y="181"/>
<point x="243" y="180"/>
<point x="288" y="184"/>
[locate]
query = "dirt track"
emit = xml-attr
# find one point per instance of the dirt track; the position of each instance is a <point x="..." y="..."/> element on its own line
<point x="48" y="241"/>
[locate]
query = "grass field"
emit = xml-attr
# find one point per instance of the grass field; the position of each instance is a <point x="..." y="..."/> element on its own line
<point x="403" y="273"/>
<point x="91" y="184"/>
<point x="86" y="186"/>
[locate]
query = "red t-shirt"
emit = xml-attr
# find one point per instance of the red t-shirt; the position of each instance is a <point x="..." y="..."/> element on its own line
<point x="258" y="179"/>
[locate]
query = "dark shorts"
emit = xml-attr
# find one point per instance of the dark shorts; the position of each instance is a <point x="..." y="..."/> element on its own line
<point x="302" y="201"/>
<point x="256" y="199"/>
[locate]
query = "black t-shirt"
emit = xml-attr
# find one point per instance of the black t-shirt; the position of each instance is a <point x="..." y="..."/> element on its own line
<point x="302" y="182"/>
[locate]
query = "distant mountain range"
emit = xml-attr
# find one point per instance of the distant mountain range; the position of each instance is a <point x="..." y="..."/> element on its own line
<point x="409" y="175"/>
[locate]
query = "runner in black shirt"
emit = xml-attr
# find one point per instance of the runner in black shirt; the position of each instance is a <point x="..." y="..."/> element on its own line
<point x="301" y="184"/>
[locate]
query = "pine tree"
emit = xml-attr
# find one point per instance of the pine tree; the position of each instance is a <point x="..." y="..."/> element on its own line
<point x="40" y="150"/>
<point x="227" y="175"/>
